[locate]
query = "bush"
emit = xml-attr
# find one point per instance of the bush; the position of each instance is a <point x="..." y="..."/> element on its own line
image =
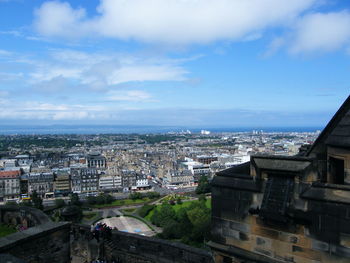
<point x="135" y="196"/>
<point x="203" y="185"/>
<point x="26" y="203"/>
<point x="91" y="200"/>
<point x="100" y="200"/>
<point x="74" y="199"/>
<point x="153" y="195"/>
<point x="179" y="201"/>
<point x="144" y="210"/>
<point x="59" y="203"/>
<point x="165" y="214"/>
<point x="109" y="199"/>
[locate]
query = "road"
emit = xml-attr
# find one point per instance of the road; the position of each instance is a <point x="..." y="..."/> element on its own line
<point x="155" y="188"/>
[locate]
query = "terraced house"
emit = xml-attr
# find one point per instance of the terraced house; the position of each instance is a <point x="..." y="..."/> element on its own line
<point x="9" y="185"/>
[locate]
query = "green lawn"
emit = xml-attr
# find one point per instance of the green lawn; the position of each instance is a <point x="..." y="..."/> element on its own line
<point x="177" y="207"/>
<point x="129" y="210"/>
<point x="89" y="216"/>
<point x="124" y="202"/>
<point x="5" y="230"/>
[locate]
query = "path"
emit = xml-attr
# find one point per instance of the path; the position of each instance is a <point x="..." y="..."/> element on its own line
<point x="129" y="224"/>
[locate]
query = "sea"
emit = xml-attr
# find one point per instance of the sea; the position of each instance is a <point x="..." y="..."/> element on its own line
<point x="136" y="129"/>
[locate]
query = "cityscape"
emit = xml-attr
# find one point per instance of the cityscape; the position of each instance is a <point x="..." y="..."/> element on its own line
<point x="89" y="164"/>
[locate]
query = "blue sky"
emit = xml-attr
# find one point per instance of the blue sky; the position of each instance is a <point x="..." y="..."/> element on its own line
<point x="222" y="63"/>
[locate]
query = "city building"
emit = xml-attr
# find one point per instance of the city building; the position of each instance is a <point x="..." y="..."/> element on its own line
<point x="142" y="182"/>
<point x="96" y="160"/>
<point x="9" y="185"/>
<point x="197" y="169"/>
<point x="287" y="208"/>
<point x="184" y="177"/>
<point x="62" y="185"/>
<point x="75" y="179"/>
<point x="206" y="159"/>
<point x="42" y="183"/>
<point x="110" y="182"/>
<point x="129" y="179"/>
<point x="89" y="180"/>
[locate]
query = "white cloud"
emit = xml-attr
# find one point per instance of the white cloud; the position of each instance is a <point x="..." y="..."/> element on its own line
<point x="146" y="73"/>
<point x="274" y="46"/>
<point x="321" y="32"/>
<point x="57" y="19"/>
<point x="68" y="115"/>
<point x="5" y="53"/>
<point x="131" y="95"/>
<point x="169" y="21"/>
<point x="102" y="71"/>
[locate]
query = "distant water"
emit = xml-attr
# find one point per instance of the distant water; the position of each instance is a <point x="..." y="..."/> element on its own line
<point x="128" y="129"/>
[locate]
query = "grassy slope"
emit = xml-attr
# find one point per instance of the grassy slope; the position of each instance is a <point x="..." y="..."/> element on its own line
<point x="177" y="207"/>
<point x="4" y="230"/>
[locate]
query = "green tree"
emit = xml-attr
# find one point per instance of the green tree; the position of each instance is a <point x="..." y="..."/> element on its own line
<point x="178" y="200"/>
<point x="171" y="230"/>
<point x="202" y="198"/>
<point x="135" y="196"/>
<point x="203" y="185"/>
<point x="59" y="203"/>
<point x="91" y="200"/>
<point x="200" y="219"/>
<point x="74" y="199"/>
<point x="100" y="200"/>
<point x="37" y="201"/>
<point x="109" y="199"/>
<point x="153" y="195"/>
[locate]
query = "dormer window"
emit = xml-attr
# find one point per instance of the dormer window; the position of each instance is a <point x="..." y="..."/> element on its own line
<point x="336" y="170"/>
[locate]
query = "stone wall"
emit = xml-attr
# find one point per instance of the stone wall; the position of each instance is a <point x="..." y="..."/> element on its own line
<point x="25" y="216"/>
<point x="125" y="247"/>
<point x="51" y="242"/>
<point x="44" y="241"/>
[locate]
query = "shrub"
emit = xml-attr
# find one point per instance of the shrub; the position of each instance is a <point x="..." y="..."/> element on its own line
<point x="91" y="200"/>
<point x="59" y="203"/>
<point x="153" y="195"/>
<point x="144" y="210"/>
<point x="135" y="196"/>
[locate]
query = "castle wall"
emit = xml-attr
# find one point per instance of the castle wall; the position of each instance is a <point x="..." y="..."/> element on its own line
<point x="132" y="248"/>
<point x="45" y="243"/>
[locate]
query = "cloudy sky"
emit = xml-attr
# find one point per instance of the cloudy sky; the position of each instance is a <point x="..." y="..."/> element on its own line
<point x="209" y="63"/>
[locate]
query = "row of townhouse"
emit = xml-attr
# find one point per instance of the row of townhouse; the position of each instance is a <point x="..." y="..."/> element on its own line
<point x="15" y="184"/>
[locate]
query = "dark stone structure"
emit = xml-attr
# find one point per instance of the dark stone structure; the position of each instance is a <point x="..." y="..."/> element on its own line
<point x="287" y="209"/>
<point x="44" y="241"/>
<point x="22" y="216"/>
<point x="126" y="247"/>
<point x="63" y="242"/>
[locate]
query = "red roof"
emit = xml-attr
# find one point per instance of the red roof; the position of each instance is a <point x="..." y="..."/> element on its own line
<point x="9" y="174"/>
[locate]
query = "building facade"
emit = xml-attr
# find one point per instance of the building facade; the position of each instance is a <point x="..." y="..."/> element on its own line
<point x="287" y="208"/>
<point x="9" y="185"/>
<point x="42" y="183"/>
<point x="96" y="160"/>
<point x="89" y="180"/>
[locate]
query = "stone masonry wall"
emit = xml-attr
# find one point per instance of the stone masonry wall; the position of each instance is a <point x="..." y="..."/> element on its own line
<point x="124" y="247"/>
<point x="46" y="243"/>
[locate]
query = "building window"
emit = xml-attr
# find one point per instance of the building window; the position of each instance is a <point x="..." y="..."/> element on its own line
<point x="336" y="170"/>
<point x="276" y="198"/>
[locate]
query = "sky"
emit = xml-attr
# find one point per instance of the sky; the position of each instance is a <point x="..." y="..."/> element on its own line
<point x="194" y="63"/>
